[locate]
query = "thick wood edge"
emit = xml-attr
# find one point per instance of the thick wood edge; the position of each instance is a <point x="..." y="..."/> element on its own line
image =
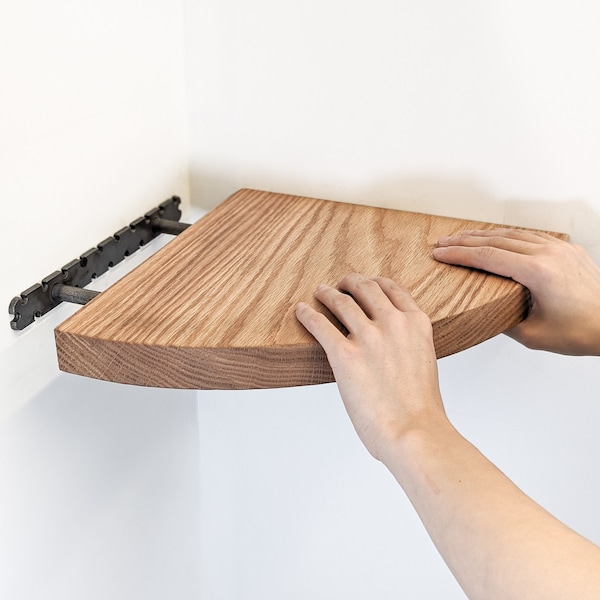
<point x="456" y="334"/>
<point x="195" y="368"/>
<point x="258" y="368"/>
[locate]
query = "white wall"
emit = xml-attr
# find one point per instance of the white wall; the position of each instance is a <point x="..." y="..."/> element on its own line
<point x="480" y="109"/>
<point x="475" y="109"/>
<point x="98" y="482"/>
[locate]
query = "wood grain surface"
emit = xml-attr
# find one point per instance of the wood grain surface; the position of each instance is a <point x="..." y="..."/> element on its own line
<point x="214" y="308"/>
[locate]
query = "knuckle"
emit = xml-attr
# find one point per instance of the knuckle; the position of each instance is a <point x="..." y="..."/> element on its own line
<point x="345" y="352"/>
<point x="422" y="318"/>
<point x="484" y="254"/>
<point x="554" y="254"/>
<point x="558" y="249"/>
<point x="357" y="281"/>
<point x="368" y="285"/>
<point x="541" y="270"/>
<point x="392" y="285"/>
<point x="401" y="289"/>
<point x="421" y="322"/>
<point x="350" y="278"/>
<point x="311" y="318"/>
<point x="341" y="300"/>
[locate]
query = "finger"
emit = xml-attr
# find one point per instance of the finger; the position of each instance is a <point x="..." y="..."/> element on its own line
<point x="319" y="326"/>
<point x="528" y="235"/>
<point x="343" y="306"/>
<point x="398" y="295"/>
<point x="499" y="241"/>
<point x="366" y="293"/>
<point x="533" y="237"/>
<point x="487" y="258"/>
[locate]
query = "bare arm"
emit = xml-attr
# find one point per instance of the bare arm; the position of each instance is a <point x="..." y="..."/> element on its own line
<point x="497" y="541"/>
<point x="563" y="280"/>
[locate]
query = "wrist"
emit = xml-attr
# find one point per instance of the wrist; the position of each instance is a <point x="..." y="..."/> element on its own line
<point x="401" y="443"/>
<point x="424" y="457"/>
<point x="594" y="340"/>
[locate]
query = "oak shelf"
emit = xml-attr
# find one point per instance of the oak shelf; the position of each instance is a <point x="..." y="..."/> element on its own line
<point x="214" y="308"/>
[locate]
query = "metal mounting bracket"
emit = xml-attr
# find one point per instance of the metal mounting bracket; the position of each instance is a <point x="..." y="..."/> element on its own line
<point x="66" y="285"/>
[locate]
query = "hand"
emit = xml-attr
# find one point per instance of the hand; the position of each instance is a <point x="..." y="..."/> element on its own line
<point x="563" y="280"/>
<point x="386" y="367"/>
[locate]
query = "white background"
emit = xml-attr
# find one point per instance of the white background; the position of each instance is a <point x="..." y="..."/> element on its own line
<point x="484" y="110"/>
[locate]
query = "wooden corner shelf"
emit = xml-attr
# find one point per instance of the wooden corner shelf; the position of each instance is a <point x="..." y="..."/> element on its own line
<point x="214" y="308"/>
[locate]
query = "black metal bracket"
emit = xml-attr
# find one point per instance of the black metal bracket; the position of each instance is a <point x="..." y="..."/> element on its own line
<point x="66" y="285"/>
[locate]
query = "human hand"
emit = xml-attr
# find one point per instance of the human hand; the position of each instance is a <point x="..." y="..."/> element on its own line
<point x="386" y="367"/>
<point x="563" y="280"/>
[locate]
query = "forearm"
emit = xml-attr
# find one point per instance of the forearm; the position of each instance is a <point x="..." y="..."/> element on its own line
<point x="496" y="540"/>
<point x="498" y="543"/>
